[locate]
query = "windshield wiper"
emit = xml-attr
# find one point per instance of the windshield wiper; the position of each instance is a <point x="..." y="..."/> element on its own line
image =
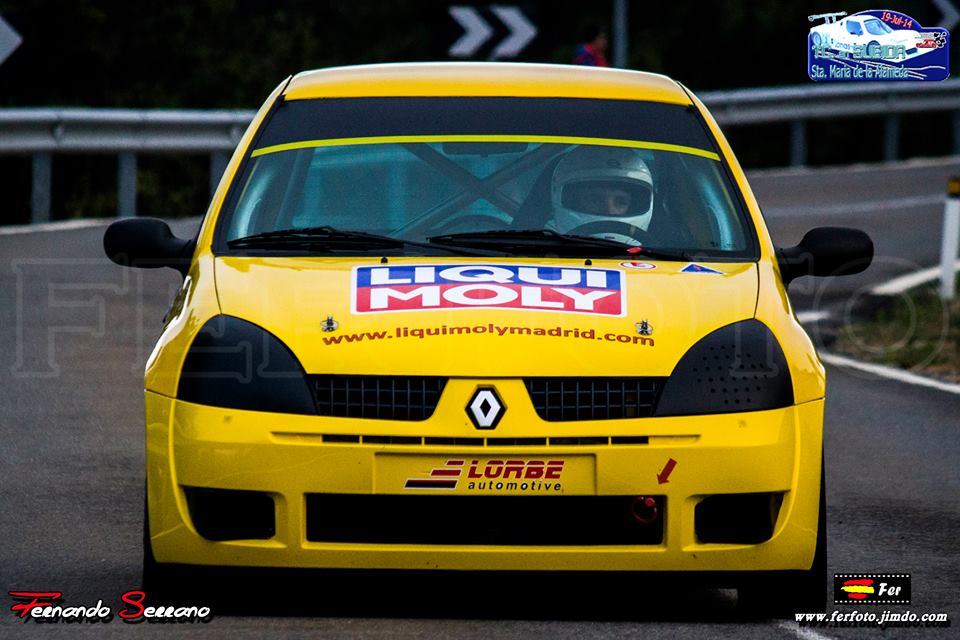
<point x="327" y="237"/>
<point x="511" y="239"/>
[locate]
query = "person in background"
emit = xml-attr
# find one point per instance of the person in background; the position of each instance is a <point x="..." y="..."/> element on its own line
<point x="593" y="51"/>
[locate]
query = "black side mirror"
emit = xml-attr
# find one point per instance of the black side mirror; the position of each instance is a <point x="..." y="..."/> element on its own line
<point x="826" y="251"/>
<point x="147" y="243"/>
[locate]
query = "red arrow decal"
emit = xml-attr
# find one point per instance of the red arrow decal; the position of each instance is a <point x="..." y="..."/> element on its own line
<point x="667" y="470"/>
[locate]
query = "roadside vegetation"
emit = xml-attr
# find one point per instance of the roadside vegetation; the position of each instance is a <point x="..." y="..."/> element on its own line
<point x="915" y="331"/>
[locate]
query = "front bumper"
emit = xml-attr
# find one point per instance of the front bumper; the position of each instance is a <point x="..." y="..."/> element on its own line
<point x="289" y="457"/>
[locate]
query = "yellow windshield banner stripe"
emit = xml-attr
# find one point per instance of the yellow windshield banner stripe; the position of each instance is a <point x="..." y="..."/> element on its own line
<point x="603" y="142"/>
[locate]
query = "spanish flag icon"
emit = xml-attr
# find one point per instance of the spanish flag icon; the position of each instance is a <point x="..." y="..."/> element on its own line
<point x="858" y="589"/>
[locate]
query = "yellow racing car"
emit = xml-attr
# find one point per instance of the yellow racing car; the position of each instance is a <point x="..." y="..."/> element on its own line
<point x="494" y="316"/>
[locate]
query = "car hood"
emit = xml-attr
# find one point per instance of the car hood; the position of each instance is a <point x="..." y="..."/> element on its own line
<point x="489" y="318"/>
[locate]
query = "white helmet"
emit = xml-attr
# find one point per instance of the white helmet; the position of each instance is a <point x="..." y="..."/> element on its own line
<point x="601" y="184"/>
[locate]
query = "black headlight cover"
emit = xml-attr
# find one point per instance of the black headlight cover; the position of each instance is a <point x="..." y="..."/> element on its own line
<point x="739" y="367"/>
<point x="235" y="364"/>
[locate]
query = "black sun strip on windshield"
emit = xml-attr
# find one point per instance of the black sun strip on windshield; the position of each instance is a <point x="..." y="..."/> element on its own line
<point x="653" y="123"/>
<point x="409" y="141"/>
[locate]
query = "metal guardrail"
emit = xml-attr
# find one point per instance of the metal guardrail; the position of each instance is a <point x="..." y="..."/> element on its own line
<point x="801" y="103"/>
<point x="117" y="130"/>
<point x="818" y="101"/>
<point x="42" y="132"/>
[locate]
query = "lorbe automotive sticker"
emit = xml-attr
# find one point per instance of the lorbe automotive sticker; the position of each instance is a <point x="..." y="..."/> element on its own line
<point x="582" y="290"/>
<point x="875" y="45"/>
<point x="514" y="476"/>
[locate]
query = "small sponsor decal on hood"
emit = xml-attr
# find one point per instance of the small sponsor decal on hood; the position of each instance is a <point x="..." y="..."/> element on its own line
<point x="699" y="268"/>
<point x="428" y="287"/>
<point x="495" y="331"/>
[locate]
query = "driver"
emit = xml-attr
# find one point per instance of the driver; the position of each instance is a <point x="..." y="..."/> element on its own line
<point x="602" y="191"/>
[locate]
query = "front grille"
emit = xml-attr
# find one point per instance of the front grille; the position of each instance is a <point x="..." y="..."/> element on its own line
<point x="377" y="397"/>
<point x="566" y="399"/>
<point x="441" y="441"/>
<point x="480" y="520"/>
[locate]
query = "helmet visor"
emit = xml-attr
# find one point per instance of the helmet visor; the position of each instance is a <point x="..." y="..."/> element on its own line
<point x="607" y="197"/>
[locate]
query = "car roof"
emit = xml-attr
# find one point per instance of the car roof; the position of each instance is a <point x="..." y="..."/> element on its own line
<point x="484" y="79"/>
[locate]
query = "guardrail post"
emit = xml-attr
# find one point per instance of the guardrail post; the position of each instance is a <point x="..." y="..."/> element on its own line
<point x="798" y="143"/>
<point x="40" y="188"/>
<point x="620" y="33"/>
<point x="950" y="241"/>
<point x="891" y="137"/>
<point x="218" y="164"/>
<point x="127" y="185"/>
<point x="956" y="132"/>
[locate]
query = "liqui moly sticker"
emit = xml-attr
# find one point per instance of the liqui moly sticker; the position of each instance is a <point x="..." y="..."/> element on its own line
<point x="391" y="288"/>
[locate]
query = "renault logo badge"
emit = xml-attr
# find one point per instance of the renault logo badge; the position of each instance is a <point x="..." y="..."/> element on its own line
<point x="485" y="408"/>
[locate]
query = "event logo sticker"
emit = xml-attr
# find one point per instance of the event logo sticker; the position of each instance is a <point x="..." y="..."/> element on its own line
<point x="871" y="588"/>
<point x="875" y="45"/>
<point x="488" y="286"/>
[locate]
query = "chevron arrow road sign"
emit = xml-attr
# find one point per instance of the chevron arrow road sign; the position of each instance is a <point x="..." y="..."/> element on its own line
<point x="480" y="24"/>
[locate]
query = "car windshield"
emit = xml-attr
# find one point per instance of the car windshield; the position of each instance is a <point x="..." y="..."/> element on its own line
<point x="876" y="27"/>
<point x="440" y="176"/>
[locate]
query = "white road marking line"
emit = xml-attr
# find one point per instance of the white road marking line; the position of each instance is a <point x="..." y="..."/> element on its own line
<point x="65" y="225"/>
<point x="808" y="317"/>
<point x="900" y="284"/>
<point x="803" y="632"/>
<point x="869" y="206"/>
<point x="890" y="373"/>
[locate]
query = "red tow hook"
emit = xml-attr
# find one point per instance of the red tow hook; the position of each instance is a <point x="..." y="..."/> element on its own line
<point x="644" y="510"/>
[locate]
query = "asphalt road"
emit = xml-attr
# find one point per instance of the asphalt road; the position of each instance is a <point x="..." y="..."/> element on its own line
<point x="900" y="206"/>
<point x="74" y="334"/>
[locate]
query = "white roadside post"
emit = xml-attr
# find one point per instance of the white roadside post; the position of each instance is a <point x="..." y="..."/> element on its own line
<point x="950" y="240"/>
